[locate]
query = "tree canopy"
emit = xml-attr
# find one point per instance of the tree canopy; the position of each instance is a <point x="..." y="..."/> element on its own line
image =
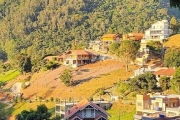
<point x="172" y="57"/>
<point x="50" y="27"/>
<point x="127" y="51"/>
<point x="40" y="114"/>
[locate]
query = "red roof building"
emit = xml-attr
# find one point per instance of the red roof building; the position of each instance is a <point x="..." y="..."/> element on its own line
<point x="76" y="58"/>
<point x="169" y="72"/>
<point x="86" y="110"/>
<point x="165" y="72"/>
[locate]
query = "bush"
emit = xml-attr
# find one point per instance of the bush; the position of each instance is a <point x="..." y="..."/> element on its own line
<point x="51" y="99"/>
<point x="66" y="77"/>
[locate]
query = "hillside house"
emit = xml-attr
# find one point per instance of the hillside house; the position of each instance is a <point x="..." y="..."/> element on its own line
<point x="110" y="38"/>
<point x="76" y="58"/>
<point x="169" y="72"/>
<point x="83" y="110"/>
<point x="133" y="36"/>
<point x="151" y="106"/>
<point x="158" y="31"/>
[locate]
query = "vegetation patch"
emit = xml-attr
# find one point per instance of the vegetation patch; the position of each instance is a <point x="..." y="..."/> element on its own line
<point x="6" y="76"/>
<point x="120" y="111"/>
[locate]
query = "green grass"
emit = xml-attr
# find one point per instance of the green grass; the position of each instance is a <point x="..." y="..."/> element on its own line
<point x="116" y="116"/>
<point x="5" y="112"/>
<point x="2" y="106"/>
<point x="122" y="111"/>
<point x="7" y="76"/>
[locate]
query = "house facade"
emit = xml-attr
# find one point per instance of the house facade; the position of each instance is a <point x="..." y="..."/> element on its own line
<point x="133" y="36"/>
<point x="83" y="110"/>
<point x="158" y="31"/>
<point x="76" y="58"/>
<point x="169" y="72"/>
<point x="153" y="105"/>
<point x="90" y="110"/>
<point x="110" y="38"/>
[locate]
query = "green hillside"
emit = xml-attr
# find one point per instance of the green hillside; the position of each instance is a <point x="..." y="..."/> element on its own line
<point x="43" y="27"/>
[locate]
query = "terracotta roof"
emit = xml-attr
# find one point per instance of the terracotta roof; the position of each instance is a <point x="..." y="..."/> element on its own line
<point x="136" y="34"/>
<point x="167" y="72"/>
<point x="81" y="105"/>
<point x="80" y="52"/>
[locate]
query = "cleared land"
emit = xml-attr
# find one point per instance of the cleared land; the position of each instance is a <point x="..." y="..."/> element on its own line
<point x="88" y="78"/>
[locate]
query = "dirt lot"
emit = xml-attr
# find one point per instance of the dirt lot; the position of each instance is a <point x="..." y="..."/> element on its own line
<point x="47" y="84"/>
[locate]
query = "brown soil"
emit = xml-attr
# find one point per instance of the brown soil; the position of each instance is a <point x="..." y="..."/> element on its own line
<point x="47" y="84"/>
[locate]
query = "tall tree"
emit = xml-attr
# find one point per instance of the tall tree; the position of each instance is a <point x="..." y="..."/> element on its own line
<point x="164" y="82"/>
<point x="174" y="25"/>
<point x="127" y="52"/>
<point x="40" y="114"/>
<point x="155" y="47"/>
<point x="172" y="57"/>
<point x="23" y="63"/>
<point x="66" y="77"/>
<point x="174" y="83"/>
<point x="113" y="47"/>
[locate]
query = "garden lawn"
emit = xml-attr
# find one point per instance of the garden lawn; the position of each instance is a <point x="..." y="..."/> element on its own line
<point x="7" y="76"/>
<point x="122" y="111"/>
<point x="19" y="107"/>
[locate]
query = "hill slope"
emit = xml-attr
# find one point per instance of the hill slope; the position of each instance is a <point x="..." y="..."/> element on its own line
<point x="173" y="41"/>
<point x="46" y="27"/>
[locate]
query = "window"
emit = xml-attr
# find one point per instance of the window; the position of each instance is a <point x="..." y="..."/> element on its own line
<point x="139" y="104"/>
<point x="88" y="112"/>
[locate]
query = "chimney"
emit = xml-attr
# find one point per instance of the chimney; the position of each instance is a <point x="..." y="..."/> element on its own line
<point x="69" y="111"/>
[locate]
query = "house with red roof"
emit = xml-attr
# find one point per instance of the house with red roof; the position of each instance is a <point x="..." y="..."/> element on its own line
<point x="86" y="110"/>
<point x="169" y="72"/>
<point x="76" y="58"/>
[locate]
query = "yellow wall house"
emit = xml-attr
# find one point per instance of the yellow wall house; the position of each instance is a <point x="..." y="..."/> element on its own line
<point x="110" y="37"/>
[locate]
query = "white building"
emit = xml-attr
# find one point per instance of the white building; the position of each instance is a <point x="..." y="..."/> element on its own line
<point x="158" y="31"/>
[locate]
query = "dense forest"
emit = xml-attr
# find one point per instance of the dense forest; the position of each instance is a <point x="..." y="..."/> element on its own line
<point x="44" y="27"/>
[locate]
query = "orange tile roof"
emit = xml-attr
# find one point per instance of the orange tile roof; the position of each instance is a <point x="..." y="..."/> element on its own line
<point x="167" y="72"/>
<point x="80" y="52"/>
<point x="80" y="106"/>
<point x="136" y="34"/>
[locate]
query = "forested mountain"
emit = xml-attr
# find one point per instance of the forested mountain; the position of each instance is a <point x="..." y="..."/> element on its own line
<point x="41" y="27"/>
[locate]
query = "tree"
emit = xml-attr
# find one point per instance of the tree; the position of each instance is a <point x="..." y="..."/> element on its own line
<point x="66" y="77"/>
<point x="155" y="47"/>
<point x="174" y="85"/>
<point x="23" y="63"/>
<point x="174" y="25"/>
<point x="127" y="52"/>
<point x="172" y="57"/>
<point x="175" y="3"/>
<point x="113" y="47"/>
<point x="145" y="81"/>
<point x="40" y="114"/>
<point x="164" y="82"/>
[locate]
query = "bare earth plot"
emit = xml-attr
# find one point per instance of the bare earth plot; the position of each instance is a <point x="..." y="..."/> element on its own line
<point x="88" y="79"/>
